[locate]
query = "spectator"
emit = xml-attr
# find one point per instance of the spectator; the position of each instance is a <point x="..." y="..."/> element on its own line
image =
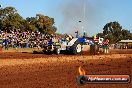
<point x="6" y="42"/>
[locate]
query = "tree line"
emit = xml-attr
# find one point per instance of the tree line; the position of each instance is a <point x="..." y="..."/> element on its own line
<point x="114" y="32"/>
<point x="10" y="20"/>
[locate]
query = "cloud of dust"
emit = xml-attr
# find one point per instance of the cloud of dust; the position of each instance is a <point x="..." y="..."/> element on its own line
<point x="78" y="15"/>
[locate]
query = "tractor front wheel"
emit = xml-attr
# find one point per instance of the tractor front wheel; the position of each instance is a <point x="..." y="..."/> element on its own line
<point x="57" y="51"/>
<point x="76" y="48"/>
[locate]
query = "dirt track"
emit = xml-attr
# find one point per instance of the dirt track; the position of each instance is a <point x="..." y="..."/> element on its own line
<point x="26" y="70"/>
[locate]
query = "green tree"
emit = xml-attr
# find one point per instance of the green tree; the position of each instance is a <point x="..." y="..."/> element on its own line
<point x="115" y="33"/>
<point x="45" y="24"/>
<point x="11" y="20"/>
<point x="113" y="30"/>
<point x="31" y="23"/>
<point x="126" y="34"/>
<point x="54" y="28"/>
<point x="130" y="36"/>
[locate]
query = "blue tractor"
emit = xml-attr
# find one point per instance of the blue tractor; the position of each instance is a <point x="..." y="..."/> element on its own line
<point x="73" y="46"/>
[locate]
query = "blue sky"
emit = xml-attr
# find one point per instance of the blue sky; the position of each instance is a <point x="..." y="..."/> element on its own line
<point x="94" y="14"/>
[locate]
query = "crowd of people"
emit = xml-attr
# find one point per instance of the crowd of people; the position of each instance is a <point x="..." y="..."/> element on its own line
<point x="26" y="39"/>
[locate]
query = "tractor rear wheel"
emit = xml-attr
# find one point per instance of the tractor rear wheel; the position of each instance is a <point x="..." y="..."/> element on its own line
<point x="94" y="49"/>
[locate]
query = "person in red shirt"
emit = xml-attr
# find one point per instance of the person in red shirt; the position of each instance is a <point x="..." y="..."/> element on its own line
<point x="106" y="46"/>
